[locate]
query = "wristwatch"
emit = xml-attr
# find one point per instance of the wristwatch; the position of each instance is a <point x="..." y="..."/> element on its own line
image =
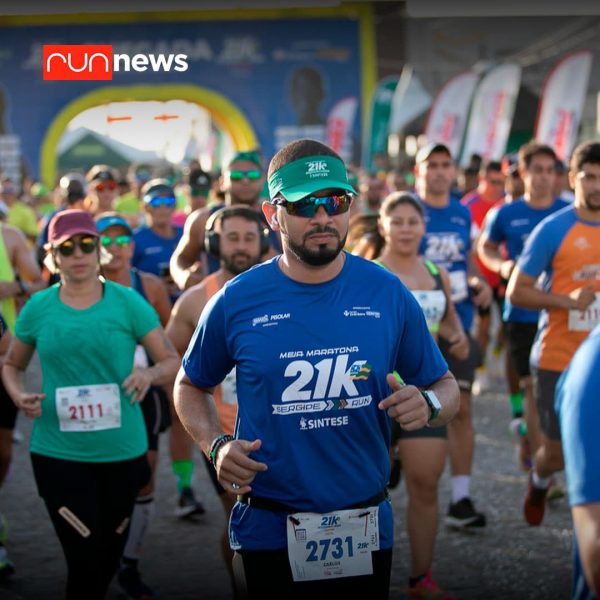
<point x="433" y="403"/>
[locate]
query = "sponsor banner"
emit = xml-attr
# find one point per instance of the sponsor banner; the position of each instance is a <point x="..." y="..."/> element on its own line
<point x="492" y="113"/>
<point x="339" y="127"/>
<point x="561" y="102"/>
<point x="410" y="100"/>
<point x="447" y="118"/>
<point x="378" y="127"/>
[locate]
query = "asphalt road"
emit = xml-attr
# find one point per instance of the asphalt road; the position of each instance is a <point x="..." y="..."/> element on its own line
<point x="506" y="559"/>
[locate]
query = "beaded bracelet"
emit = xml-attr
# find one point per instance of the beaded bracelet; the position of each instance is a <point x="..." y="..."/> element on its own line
<point x="216" y="445"/>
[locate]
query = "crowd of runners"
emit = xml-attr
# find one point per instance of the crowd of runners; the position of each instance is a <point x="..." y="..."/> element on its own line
<point x="283" y="311"/>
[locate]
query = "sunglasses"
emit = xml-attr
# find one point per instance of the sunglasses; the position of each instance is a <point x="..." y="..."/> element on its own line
<point x="120" y="240"/>
<point x="106" y="185"/>
<point x="169" y="201"/>
<point x="307" y="207"/>
<point x="86" y="244"/>
<point x="252" y="175"/>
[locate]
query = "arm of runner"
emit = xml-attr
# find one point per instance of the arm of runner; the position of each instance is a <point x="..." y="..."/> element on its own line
<point x="196" y="410"/>
<point x="184" y="318"/>
<point x="163" y="371"/>
<point x="408" y="407"/>
<point x="26" y="267"/>
<point x="482" y="291"/>
<point x="184" y="266"/>
<point x="19" y="355"/>
<point x="156" y="292"/>
<point x="490" y="255"/>
<point x="586" y="518"/>
<point x="451" y="328"/>
<point x="521" y="291"/>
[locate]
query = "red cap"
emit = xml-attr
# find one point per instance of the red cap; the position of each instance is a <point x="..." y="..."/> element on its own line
<point x="68" y="223"/>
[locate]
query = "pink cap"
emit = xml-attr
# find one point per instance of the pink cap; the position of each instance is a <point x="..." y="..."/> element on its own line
<point x="68" y="223"/>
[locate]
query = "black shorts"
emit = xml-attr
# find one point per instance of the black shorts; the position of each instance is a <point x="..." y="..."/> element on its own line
<point x="268" y="576"/>
<point x="425" y="432"/>
<point x="8" y="409"/>
<point x="157" y="414"/>
<point x="213" y="477"/>
<point x="498" y="294"/>
<point x="520" y="338"/>
<point x="463" y="370"/>
<point x="544" y="386"/>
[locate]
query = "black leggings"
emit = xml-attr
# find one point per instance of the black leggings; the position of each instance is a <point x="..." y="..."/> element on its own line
<point x="90" y="505"/>
<point x="268" y="576"/>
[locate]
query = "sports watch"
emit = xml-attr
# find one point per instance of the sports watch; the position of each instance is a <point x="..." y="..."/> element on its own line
<point x="433" y="403"/>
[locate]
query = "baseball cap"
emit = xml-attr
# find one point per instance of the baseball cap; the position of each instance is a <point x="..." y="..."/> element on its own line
<point x="307" y="175"/>
<point x="67" y="223"/>
<point x="157" y="188"/>
<point x="199" y="179"/>
<point x="101" y="173"/>
<point x="428" y="149"/>
<point x="112" y="219"/>
<point x="73" y="187"/>
<point x="252" y="156"/>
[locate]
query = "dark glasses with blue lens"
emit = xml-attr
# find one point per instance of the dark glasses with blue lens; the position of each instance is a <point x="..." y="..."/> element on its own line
<point x="157" y="201"/>
<point x="335" y="204"/>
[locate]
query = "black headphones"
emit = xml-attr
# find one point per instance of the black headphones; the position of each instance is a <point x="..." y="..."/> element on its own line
<point x="212" y="237"/>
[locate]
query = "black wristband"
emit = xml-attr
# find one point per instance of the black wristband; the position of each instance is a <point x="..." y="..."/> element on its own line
<point x="216" y="445"/>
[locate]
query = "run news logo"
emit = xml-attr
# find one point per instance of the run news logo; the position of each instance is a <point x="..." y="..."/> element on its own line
<point x="97" y="62"/>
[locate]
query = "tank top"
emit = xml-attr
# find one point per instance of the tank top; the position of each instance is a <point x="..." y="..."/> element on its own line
<point x="7" y="305"/>
<point x="433" y="302"/>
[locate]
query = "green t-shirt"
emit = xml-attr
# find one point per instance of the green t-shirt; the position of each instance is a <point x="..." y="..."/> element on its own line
<point x="23" y="217"/>
<point x="128" y="204"/>
<point x="79" y="348"/>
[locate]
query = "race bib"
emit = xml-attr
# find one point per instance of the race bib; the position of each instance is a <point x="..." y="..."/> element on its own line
<point x="585" y="320"/>
<point x="89" y="407"/>
<point x="458" y="286"/>
<point x="433" y="305"/>
<point x="336" y="544"/>
<point x="229" y="388"/>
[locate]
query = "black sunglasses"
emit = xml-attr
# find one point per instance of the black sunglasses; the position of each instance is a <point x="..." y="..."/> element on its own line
<point x="335" y="204"/>
<point x="86" y="244"/>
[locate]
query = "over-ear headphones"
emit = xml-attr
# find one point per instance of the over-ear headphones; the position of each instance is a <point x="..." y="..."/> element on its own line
<point x="212" y="237"/>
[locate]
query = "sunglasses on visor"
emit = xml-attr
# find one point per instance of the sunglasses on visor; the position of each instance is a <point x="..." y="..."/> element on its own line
<point x="160" y="201"/>
<point x="252" y="175"/>
<point x="335" y="204"/>
<point x="119" y="240"/>
<point x="86" y="244"/>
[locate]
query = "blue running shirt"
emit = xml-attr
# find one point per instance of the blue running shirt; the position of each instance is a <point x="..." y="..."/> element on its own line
<point x="447" y="242"/>
<point x="311" y="362"/>
<point x="511" y="225"/>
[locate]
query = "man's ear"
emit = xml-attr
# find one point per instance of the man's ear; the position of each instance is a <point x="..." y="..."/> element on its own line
<point x="270" y="212"/>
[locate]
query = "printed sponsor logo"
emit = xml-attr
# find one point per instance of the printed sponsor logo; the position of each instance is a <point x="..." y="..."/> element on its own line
<point x="316" y="168"/>
<point x="268" y="320"/>
<point x="362" y="311"/>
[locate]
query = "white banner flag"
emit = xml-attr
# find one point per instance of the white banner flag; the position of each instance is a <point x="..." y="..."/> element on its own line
<point x="492" y="113"/>
<point x="339" y="127"/>
<point x="561" y="102"/>
<point x="410" y="100"/>
<point x="448" y="115"/>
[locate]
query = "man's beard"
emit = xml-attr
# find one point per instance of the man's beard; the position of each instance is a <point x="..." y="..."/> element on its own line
<point x="588" y="203"/>
<point x="235" y="268"/>
<point x="323" y="255"/>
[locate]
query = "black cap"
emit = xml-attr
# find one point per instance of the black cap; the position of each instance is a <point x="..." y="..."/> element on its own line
<point x="199" y="178"/>
<point x="426" y="151"/>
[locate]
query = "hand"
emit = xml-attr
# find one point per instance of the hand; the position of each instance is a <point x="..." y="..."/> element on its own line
<point x="30" y="403"/>
<point x="582" y="297"/>
<point x="138" y="384"/>
<point x="482" y="292"/>
<point x="506" y="268"/>
<point x="459" y="345"/>
<point x="406" y="405"/>
<point x="9" y="289"/>
<point x="235" y="469"/>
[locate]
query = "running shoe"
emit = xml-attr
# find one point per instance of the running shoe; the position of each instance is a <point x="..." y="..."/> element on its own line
<point x="462" y="514"/>
<point x="7" y="568"/>
<point x="427" y="589"/>
<point x="132" y="585"/>
<point x="534" y="505"/>
<point x="187" y="505"/>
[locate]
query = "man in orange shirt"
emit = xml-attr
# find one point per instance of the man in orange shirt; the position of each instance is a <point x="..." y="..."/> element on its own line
<point x="566" y="248"/>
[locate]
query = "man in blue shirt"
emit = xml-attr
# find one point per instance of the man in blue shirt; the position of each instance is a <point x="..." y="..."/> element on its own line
<point x="447" y="242"/>
<point x="579" y="415"/>
<point x="314" y="335"/>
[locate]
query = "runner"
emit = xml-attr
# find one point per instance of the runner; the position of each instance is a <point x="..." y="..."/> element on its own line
<point x="197" y="189"/>
<point x="500" y="246"/>
<point x="235" y="235"/>
<point x="579" y="417"/>
<point x="307" y="337"/>
<point x="102" y="189"/>
<point x="116" y="238"/>
<point x="88" y="445"/>
<point x="422" y="452"/>
<point x="243" y="181"/>
<point x="447" y="242"/>
<point x="566" y="247"/>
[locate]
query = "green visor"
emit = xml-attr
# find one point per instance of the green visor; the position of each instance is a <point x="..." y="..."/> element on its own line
<point x="308" y="175"/>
